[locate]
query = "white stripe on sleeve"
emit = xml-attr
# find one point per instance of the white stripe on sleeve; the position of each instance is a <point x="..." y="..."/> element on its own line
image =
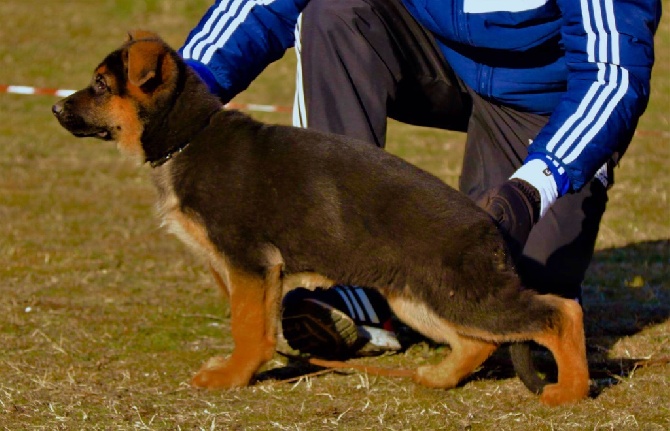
<point x="602" y="48"/>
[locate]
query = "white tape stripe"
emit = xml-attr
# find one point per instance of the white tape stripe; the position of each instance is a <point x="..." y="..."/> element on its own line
<point x="27" y="90"/>
<point x="64" y="93"/>
<point x="257" y="107"/>
<point x="369" y="309"/>
<point x="261" y="108"/>
<point x="20" y="89"/>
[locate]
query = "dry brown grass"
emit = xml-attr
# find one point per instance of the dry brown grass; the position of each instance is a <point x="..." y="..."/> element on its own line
<point x="104" y="318"/>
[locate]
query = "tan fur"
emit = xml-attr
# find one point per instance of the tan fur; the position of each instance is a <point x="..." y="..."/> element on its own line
<point x="471" y="347"/>
<point x="123" y="112"/>
<point x="308" y="280"/>
<point x="254" y="303"/>
<point x="187" y="227"/>
<point x="568" y="346"/>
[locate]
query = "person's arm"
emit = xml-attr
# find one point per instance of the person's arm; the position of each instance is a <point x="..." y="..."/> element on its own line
<point x="236" y="39"/>
<point x="609" y="54"/>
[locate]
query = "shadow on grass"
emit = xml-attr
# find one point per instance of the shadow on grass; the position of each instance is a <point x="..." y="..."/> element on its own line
<point x="627" y="290"/>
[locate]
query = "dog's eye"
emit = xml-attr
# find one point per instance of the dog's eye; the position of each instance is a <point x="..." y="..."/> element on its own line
<point x="100" y="86"/>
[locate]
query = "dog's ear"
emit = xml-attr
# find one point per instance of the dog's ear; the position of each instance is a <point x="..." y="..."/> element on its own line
<point x="148" y="59"/>
<point x="142" y="34"/>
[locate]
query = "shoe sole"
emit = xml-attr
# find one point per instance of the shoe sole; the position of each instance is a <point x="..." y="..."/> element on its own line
<point x="316" y="328"/>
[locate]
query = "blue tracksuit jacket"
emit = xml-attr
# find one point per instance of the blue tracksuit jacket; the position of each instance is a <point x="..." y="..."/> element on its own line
<point x="585" y="62"/>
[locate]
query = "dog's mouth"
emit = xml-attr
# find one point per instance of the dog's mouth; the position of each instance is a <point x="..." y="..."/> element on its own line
<point x="103" y="134"/>
<point x="79" y="128"/>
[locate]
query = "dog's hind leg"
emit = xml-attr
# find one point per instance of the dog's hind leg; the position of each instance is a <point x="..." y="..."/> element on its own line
<point x="466" y="353"/>
<point x="218" y="277"/>
<point x="565" y="339"/>
<point x="254" y="302"/>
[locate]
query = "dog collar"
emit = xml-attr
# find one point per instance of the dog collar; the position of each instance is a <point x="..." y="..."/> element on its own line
<point x="162" y="160"/>
<point x="181" y="147"/>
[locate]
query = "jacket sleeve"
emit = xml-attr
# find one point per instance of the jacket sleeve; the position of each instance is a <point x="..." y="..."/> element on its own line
<point x="609" y="54"/>
<point x="236" y="39"/>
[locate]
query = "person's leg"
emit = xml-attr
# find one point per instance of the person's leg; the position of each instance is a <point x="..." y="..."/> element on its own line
<point x="560" y="246"/>
<point x="338" y="322"/>
<point x="362" y="61"/>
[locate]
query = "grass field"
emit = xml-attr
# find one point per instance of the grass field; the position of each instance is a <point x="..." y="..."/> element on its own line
<point x="104" y="317"/>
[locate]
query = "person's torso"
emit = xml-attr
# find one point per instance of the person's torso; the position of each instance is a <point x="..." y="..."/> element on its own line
<point x="507" y="50"/>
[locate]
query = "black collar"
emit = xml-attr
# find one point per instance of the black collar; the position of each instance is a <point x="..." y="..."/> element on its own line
<point x="170" y="154"/>
<point x="160" y="161"/>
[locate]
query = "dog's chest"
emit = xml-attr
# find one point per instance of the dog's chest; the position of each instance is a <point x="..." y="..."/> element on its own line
<point x="185" y="226"/>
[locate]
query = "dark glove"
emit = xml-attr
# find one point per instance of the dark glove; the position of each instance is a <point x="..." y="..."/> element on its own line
<point x="515" y="208"/>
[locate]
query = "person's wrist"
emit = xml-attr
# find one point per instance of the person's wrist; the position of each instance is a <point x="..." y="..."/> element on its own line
<point x="550" y="181"/>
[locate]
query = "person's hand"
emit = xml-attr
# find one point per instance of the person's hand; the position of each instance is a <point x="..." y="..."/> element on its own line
<point x="515" y="208"/>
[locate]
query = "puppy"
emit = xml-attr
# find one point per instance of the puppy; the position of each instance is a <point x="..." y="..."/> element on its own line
<point x="264" y="203"/>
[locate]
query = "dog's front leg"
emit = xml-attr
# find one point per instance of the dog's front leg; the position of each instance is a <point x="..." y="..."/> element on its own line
<point x="254" y="302"/>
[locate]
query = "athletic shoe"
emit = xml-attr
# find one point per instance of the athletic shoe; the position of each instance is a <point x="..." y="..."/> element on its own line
<point x="338" y="322"/>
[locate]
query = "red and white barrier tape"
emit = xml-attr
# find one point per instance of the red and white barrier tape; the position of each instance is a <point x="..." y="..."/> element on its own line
<point x="24" y="89"/>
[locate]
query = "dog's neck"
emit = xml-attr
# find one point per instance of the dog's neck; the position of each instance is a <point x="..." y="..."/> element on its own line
<point x="192" y="108"/>
<point x="179" y="145"/>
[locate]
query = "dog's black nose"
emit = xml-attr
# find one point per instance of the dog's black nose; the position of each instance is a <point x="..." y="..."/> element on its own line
<point x="57" y="108"/>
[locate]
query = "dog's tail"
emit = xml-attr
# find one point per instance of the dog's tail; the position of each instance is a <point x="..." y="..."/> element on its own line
<point x="520" y="353"/>
<point x="522" y="359"/>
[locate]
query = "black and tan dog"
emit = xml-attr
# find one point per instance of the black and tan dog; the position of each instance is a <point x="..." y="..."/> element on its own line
<point x="263" y="203"/>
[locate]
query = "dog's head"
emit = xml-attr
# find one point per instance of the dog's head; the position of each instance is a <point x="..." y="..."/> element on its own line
<point x="126" y="90"/>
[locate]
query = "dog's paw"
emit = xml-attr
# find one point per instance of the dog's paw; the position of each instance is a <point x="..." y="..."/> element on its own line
<point x="433" y="376"/>
<point x="556" y="395"/>
<point x="217" y="373"/>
